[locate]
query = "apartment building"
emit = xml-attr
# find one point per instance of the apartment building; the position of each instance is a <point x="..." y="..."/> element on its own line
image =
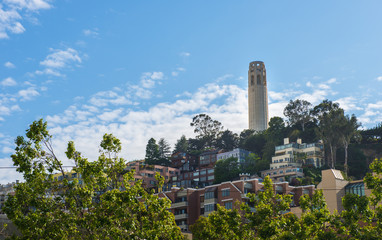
<point x="208" y="159"/>
<point x="146" y="173"/>
<point x="290" y="157"/>
<point x="238" y="153"/>
<point x="194" y="171"/>
<point x="191" y="203"/>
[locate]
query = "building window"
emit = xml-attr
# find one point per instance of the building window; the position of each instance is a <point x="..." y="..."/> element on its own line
<point x="209" y="195"/>
<point x="209" y="207"/>
<point x="225" y="192"/>
<point x="211" y="177"/>
<point x="228" y="205"/>
<point x="356" y="188"/>
<point x="209" y="171"/>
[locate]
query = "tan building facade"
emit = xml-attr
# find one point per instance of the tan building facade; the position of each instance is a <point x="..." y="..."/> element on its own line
<point x="334" y="187"/>
<point x="257" y="96"/>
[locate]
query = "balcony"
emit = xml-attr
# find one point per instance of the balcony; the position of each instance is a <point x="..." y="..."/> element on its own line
<point x="179" y="204"/>
<point x="181" y="216"/>
<point x="211" y="200"/>
<point x="182" y="193"/>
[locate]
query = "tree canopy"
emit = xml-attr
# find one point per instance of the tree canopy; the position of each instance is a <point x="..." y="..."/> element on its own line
<point x="266" y="216"/>
<point x="206" y="128"/>
<point x="298" y="112"/>
<point x="95" y="200"/>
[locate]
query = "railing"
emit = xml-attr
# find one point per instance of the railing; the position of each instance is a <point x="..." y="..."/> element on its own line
<point x="211" y="200"/>
<point x="181" y="216"/>
<point x="179" y="204"/>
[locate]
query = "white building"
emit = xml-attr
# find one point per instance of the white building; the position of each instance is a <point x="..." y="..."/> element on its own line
<point x="290" y="157"/>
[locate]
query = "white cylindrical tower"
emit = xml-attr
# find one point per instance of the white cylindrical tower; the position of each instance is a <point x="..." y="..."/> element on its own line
<point x="257" y="96"/>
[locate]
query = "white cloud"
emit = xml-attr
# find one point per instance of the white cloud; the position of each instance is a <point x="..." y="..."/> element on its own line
<point x="379" y="78"/>
<point x="224" y="77"/>
<point x="8" y="82"/>
<point x="28" y="94"/>
<point x="135" y="127"/>
<point x="282" y="96"/>
<point x="9" y="64"/>
<point x="104" y="98"/>
<point x="332" y="80"/>
<point x="49" y="71"/>
<point x="111" y="115"/>
<point x="61" y="58"/>
<point x="176" y="73"/>
<point x="185" y="54"/>
<point x="31" y="5"/>
<point x="157" y="75"/>
<point x="90" y="33"/>
<point x="141" y="92"/>
<point x="11" y="12"/>
<point x="6" y="150"/>
<point x="377" y="105"/>
<point x="349" y="103"/>
<point x="148" y="79"/>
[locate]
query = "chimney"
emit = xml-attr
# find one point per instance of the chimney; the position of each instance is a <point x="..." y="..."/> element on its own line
<point x="286" y="141"/>
<point x="299" y="141"/>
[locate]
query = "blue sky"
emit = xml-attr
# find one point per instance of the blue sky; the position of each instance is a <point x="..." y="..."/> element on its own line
<point x="141" y="69"/>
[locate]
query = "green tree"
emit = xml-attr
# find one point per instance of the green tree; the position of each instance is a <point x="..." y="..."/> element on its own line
<point x="181" y="145"/>
<point x="268" y="218"/>
<point x="221" y="224"/>
<point x="244" y="135"/>
<point x="226" y="170"/>
<point x="255" y="143"/>
<point x="164" y="152"/>
<point x="298" y="112"/>
<point x="227" y="140"/>
<point x="274" y="136"/>
<point x="324" y="108"/>
<point x="102" y="204"/>
<point x="348" y="129"/>
<point x="329" y="129"/>
<point x="253" y="164"/>
<point x="152" y="152"/>
<point x="206" y="128"/>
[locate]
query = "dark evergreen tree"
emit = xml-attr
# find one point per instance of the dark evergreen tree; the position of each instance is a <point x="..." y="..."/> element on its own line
<point x="181" y="145"/>
<point x="152" y="152"/>
<point x="227" y="140"/>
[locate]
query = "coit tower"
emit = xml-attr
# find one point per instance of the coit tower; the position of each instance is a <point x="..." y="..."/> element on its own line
<point x="257" y="96"/>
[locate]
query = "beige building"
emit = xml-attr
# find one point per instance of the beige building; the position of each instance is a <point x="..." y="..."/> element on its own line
<point x="257" y="96"/>
<point x="334" y="187"/>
